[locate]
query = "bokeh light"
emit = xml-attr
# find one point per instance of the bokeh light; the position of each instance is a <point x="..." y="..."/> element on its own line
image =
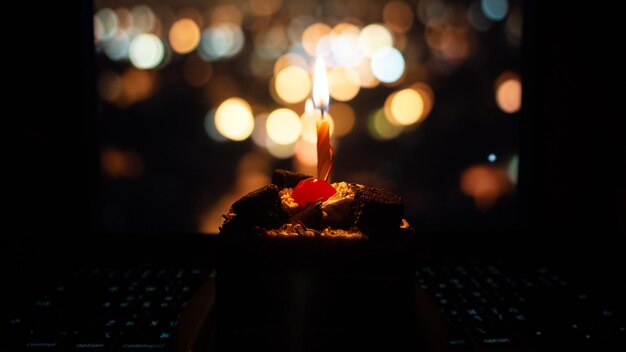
<point x="485" y="183"/>
<point x="263" y="8"/>
<point x="387" y="65"/>
<point x="211" y="129"/>
<point x="428" y="97"/>
<point x="311" y="36"/>
<point x="109" y="85"/>
<point x="477" y="18"/>
<point x="137" y="85"/>
<point x="514" y="27"/>
<point x="344" y="119"/>
<point x="306" y="152"/>
<point x="509" y="92"/>
<point x="283" y="126"/>
<point x="398" y="16"/>
<point x="226" y="13"/>
<point x="380" y="128"/>
<point x="117" y="163"/>
<point x="221" y="41"/>
<point x="117" y="47"/>
<point x="297" y="25"/>
<point x="184" y="36"/>
<point x="344" y="83"/>
<point x="280" y="151"/>
<point x="293" y="84"/>
<point x="259" y="134"/>
<point x="290" y="59"/>
<point x="366" y="76"/>
<point x="495" y="10"/>
<point x="345" y="45"/>
<point x="108" y="22"/>
<point x="233" y="119"/>
<point x="374" y="37"/>
<point x="144" y="19"/>
<point x="146" y="51"/>
<point x="407" y="107"/>
<point x="513" y="169"/>
<point x="272" y="42"/>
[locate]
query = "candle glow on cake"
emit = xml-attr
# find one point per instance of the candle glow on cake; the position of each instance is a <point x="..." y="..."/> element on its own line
<point x="349" y="210"/>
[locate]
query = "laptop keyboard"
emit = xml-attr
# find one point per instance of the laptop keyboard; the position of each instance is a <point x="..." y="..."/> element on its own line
<point x="486" y="308"/>
<point x="103" y="309"/>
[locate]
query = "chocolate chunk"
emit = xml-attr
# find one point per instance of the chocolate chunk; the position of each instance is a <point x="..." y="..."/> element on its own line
<point x="261" y="208"/>
<point x="285" y="178"/>
<point x="377" y="212"/>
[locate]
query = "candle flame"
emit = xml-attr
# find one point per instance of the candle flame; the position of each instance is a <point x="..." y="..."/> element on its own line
<point x="321" y="98"/>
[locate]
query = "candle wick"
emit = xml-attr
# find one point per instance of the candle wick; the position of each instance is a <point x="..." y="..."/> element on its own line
<point x="322" y="111"/>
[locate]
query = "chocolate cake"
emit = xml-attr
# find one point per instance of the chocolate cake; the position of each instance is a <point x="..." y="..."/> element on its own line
<point x="351" y="211"/>
<point x="324" y="267"/>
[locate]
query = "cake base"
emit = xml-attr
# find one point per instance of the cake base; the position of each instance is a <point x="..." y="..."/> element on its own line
<point x="315" y="294"/>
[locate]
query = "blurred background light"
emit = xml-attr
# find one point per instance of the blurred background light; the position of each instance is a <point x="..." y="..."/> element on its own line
<point x="366" y="76"/>
<point x="374" y="37"/>
<point x="221" y="41"/>
<point x="184" y="36"/>
<point x="116" y="48"/>
<point x="380" y="128"/>
<point x="312" y="35"/>
<point x="137" y="85"/>
<point x="343" y="121"/>
<point x="398" y="16"/>
<point x="428" y="97"/>
<point x="344" y="83"/>
<point x="344" y="44"/>
<point x="407" y="107"/>
<point x="117" y="163"/>
<point x="306" y="152"/>
<point x="264" y="8"/>
<point x="387" y="64"/>
<point x="485" y="183"/>
<point x="210" y="127"/>
<point x="509" y="92"/>
<point x="290" y="59"/>
<point x="233" y="119"/>
<point x="226" y="13"/>
<point x="109" y="85"/>
<point x="283" y="126"/>
<point x="146" y="51"/>
<point x="280" y="151"/>
<point x="495" y="10"/>
<point x="477" y="18"/>
<point x="259" y="133"/>
<point x="270" y="43"/>
<point x="144" y="19"/>
<point x="293" y="84"/>
<point x="108" y="23"/>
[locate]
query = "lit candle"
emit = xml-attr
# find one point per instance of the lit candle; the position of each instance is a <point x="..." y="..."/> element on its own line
<point x="325" y="151"/>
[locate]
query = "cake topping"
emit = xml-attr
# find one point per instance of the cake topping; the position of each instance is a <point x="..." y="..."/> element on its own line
<point x="311" y="190"/>
<point x="316" y="208"/>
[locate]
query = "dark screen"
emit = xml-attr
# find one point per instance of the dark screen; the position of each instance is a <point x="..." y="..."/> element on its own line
<point x="425" y="98"/>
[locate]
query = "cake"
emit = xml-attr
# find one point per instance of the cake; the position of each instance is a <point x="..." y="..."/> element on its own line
<point x="299" y="205"/>
<point x="312" y="266"/>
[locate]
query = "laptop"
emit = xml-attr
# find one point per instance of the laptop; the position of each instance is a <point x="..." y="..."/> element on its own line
<point x="526" y="238"/>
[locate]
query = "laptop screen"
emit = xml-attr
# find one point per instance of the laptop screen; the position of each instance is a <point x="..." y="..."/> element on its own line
<point x="198" y="101"/>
